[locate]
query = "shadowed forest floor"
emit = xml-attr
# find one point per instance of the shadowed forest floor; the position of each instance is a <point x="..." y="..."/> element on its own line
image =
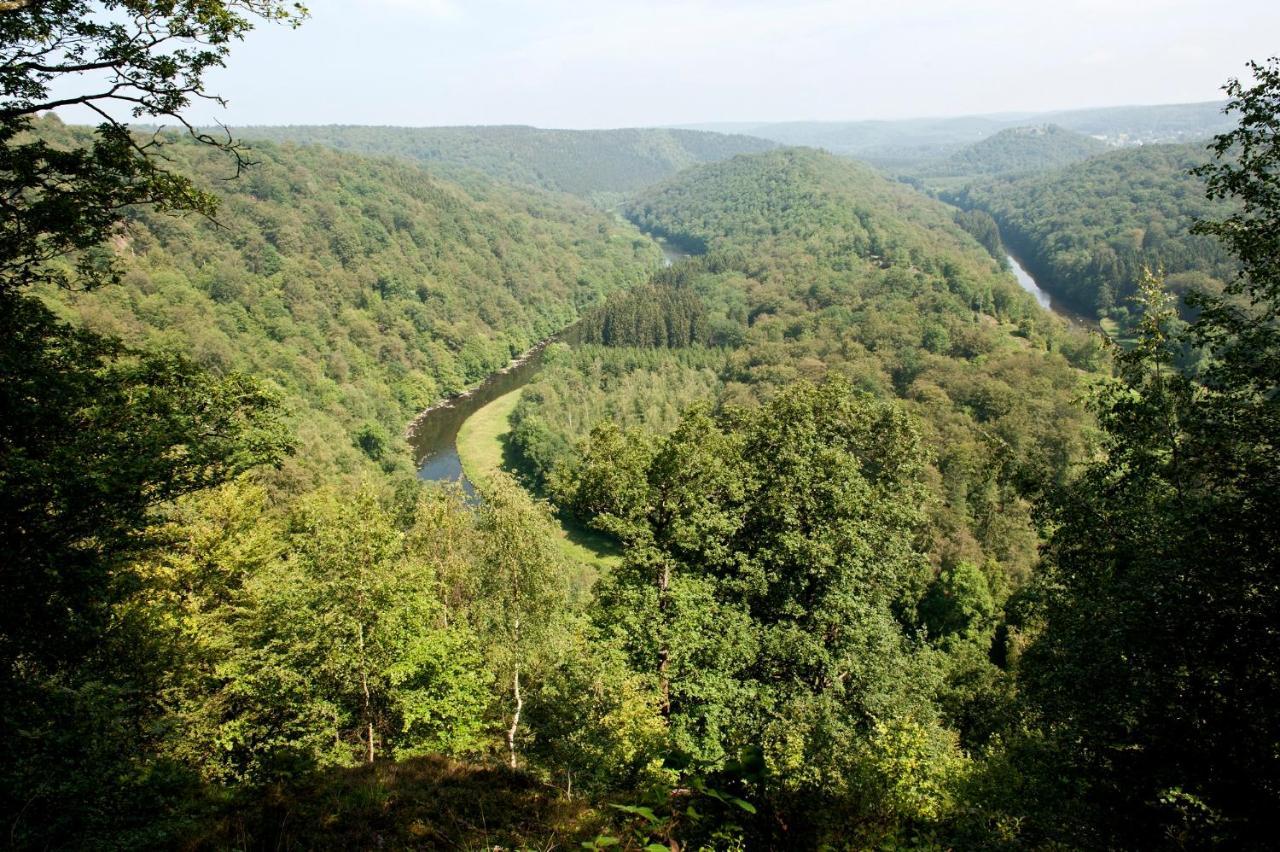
<point x="421" y="803"/>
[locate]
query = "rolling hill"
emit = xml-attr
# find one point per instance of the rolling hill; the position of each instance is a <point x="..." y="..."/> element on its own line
<point x="812" y="265"/>
<point x="364" y="289"/>
<point x="596" y="164"/>
<point x="912" y="142"/>
<point x="1086" y="231"/>
<point x="1020" y="149"/>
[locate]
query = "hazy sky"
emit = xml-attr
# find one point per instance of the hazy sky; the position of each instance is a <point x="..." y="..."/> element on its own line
<point x="615" y="63"/>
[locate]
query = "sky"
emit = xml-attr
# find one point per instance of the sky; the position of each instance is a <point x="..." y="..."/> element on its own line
<point x="628" y="63"/>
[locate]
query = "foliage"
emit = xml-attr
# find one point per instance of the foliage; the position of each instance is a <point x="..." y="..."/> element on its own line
<point x="693" y="815"/>
<point x="959" y="606"/>
<point x="1156" y="669"/>
<point x="96" y="438"/>
<point x="99" y="435"/>
<point x="596" y="721"/>
<point x="597" y="164"/>
<point x="1087" y="231"/>
<point x="767" y="552"/>
<point x="916" y="767"/>
<point x="376" y="628"/>
<point x="579" y="388"/>
<point x="522" y="592"/>
<point x="651" y="316"/>
<point x="980" y="225"/>
<point x="1241" y="326"/>
<point x="150" y="60"/>
<point x="363" y="290"/>
<point x="816" y="265"/>
<point x="363" y="614"/>
<point x="1015" y="150"/>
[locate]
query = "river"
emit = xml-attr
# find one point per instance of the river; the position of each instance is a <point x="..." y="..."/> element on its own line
<point x="433" y="435"/>
<point x="1026" y="282"/>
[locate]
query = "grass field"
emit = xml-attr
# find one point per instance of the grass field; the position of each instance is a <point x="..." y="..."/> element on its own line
<point x="1127" y="338"/>
<point x="480" y="440"/>
<point x="482" y="450"/>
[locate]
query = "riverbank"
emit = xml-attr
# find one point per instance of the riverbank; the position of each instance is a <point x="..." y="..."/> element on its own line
<point x="1046" y="299"/>
<point x="480" y="441"/>
<point x="411" y="431"/>
<point x="481" y="445"/>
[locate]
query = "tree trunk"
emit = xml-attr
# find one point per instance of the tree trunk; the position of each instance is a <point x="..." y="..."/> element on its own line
<point x="368" y="703"/>
<point x="515" y="718"/>
<point x="664" y="652"/>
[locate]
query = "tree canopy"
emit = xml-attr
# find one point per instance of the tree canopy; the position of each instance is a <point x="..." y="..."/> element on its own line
<point x="882" y="582"/>
<point x="145" y="60"/>
<point x="1156" y="672"/>
<point x="1087" y="231"/>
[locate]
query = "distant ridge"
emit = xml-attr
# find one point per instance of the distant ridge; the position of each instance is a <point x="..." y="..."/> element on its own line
<point x="598" y="164"/>
<point x="914" y="140"/>
<point x="1017" y="150"/>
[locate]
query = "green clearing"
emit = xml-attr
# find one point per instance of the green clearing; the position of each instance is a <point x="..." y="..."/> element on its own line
<point x="1122" y="335"/>
<point x="482" y="449"/>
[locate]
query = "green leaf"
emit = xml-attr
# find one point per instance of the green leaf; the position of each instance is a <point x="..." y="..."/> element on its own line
<point x="638" y="810"/>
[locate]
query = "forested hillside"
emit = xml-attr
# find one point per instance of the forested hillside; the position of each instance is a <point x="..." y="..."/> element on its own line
<point x="1017" y="150"/>
<point x="854" y="362"/>
<point x="364" y="289"/>
<point x="596" y="164"/>
<point x="817" y="265"/>
<point x="1086" y="232"/>
<point x="896" y="559"/>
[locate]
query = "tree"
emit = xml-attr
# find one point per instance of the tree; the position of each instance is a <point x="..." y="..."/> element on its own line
<point x="1157" y="675"/>
<point x="521" y="588"/>
<point x="341" y="649"/>
<point x="597" y="721"/>
<point x="97" y="435"/>
<point x="140" y="59"/>
<point x="96" y="439"/>
<point x="1242" y="324"/>
<point x="353" y="593"/>
<point x="768" y="555"/>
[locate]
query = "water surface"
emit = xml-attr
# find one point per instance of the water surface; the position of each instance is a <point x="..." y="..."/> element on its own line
<point x="1026" y="282"/>
<point x="434" y="435"/>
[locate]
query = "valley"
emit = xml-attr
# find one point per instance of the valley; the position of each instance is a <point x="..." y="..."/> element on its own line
<point x="433" y="434"/>
<point x="901" y="484"/>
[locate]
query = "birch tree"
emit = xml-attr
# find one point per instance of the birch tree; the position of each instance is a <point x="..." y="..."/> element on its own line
<point x="522" y="589"/>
